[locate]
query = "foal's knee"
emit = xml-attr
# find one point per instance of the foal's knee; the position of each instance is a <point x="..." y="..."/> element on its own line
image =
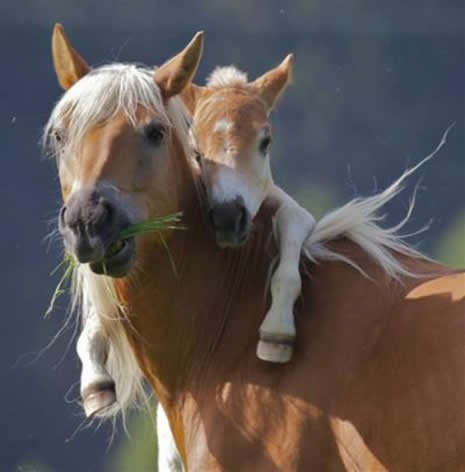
<point x="286" y="280"/>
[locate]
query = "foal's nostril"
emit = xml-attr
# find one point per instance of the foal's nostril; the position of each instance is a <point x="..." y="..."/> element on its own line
<point x="211" y="217"/>
<point x="230" y="217"/>
<point x="230" y="221"/>
<point x="242" y="220"/>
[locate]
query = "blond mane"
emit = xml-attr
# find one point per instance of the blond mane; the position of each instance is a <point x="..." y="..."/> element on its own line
<point x="102" y="93"/>
<point x="226" y="76"/>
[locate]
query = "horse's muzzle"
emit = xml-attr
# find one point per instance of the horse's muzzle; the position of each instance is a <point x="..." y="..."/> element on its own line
<point x="231" y="222"/>
<point x="90" y="222"/>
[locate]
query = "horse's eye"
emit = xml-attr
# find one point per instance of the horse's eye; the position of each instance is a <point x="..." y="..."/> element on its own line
<point x="155" y="132"/>
<point x="59" y="135"/>
<point x="265" y="144"/>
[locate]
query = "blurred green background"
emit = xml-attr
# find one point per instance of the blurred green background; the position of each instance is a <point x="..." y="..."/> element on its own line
<point x="376" y="83"/>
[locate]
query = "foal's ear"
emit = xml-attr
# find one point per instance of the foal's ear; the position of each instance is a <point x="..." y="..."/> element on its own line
<point x="175" y="74"/>
<point x="272" y="83"/>
<point x="191" y="94"/>
<point x="69" y="65"/>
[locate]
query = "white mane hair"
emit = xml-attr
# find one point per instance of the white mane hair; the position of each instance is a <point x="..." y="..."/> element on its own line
<point x="102" y="93"/>
<point x="226" y="76"/>
<point x="358" y="220"/>
<point x="94" y="99"/>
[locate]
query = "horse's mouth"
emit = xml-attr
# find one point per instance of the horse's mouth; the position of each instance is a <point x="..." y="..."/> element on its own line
<point x="117" y="260"/>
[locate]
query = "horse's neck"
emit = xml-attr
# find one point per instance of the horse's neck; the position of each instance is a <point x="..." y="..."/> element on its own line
<point x="181" y="318"/>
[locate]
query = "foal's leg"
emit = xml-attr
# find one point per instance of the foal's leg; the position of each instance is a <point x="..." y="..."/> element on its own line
<point x="169" y="459"/>
<point x="97" y="386"/>
<point x="293" y="225"/>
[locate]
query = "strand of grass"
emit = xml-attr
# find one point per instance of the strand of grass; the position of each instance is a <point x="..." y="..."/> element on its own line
<point x="153" y="225"/>
<point x="156" y="225"/>
<point x="59" y="290"/>
<point x="165" y="245"/>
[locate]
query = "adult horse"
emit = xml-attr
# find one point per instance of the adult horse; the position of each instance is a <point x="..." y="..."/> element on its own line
<point x="377" y="379"/>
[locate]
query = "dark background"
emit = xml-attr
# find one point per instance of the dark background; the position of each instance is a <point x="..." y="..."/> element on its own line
<point x="376" y="83"/>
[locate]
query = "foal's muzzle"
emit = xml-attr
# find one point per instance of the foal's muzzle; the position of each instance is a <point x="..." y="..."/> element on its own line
<point x="90" y="222"/>
<point x="231" y="223"/>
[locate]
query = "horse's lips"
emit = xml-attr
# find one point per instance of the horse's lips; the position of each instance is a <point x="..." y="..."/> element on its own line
<point x="119" y="263"/>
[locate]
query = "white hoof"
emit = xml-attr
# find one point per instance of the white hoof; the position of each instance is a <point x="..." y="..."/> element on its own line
<point x="98" y="397"/>
<point x="276" y="352"/>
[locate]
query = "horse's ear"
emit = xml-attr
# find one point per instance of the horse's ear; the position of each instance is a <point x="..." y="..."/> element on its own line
<point x="69" y="65"/>
<point x="271" y="84"/>
<point x="174" y="75"/>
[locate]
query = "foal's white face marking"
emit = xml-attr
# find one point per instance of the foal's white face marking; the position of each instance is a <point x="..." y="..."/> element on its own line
<point x="222" y="125"/>
<point x="243" y="174"/>
<point x="228" y="185"/>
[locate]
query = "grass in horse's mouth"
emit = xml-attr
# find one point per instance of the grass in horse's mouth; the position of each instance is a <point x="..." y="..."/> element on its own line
<point x="149" y="226"/>
<point x="115" y="248"/>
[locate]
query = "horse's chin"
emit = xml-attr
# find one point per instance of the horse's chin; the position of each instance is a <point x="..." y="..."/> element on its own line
<point x="118" y="260"/>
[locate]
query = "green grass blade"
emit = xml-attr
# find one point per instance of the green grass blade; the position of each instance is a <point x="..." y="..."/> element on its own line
<point x="59" y="290"/>
<point x="153" y="225"/>
<point x="165" y="245"/>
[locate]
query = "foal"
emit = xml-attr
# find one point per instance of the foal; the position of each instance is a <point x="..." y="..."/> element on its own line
<point x="231" y="139"/>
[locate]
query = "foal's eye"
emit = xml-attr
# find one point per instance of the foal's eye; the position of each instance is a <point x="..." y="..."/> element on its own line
<point x="155" y="132"/>
<point x="265" y="144"/>
<point x="197" y="156"/>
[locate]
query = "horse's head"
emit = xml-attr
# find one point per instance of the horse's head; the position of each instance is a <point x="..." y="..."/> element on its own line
<point x="231" y="138"/>
<point x="115" y="133"/>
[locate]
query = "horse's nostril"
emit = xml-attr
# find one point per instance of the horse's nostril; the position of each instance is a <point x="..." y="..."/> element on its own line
<point x="110" y="210"/>
<point x="102" y="213"/>
<point x="107" y="210"/>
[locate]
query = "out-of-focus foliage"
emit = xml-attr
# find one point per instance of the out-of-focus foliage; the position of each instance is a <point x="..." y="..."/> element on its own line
<point x="32" y="465"/>
<point x="138" y="452"/>
<point x="451" y="248"/>
<point x="318" y="199"/>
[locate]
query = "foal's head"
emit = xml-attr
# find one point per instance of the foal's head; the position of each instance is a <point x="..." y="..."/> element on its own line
<point x="117" y="133"/>
<point x="231" y="139"/>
